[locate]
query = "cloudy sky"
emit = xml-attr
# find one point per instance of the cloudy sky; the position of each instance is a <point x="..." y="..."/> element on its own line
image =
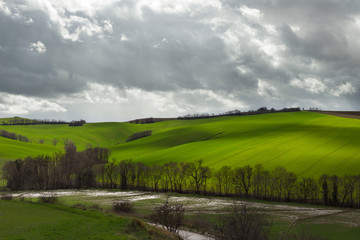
<point x="116" y="60"/>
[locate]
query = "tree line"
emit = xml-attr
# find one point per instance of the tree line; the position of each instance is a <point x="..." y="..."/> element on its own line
<point x="138" y="135"/>
<point x="236" y="112"/>
<point x="71" y="169"/>
<point x="25" y="121"/>
<point x="92" y="168"/>
<point x="150" y="120"/>
<point x="77" y="123"/>
<point x="13" y="136"/>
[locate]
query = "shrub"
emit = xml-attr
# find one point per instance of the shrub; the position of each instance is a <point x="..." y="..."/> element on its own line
<point x="95" y="206"/>
<point x="52" y="199"/>
<point x="80" y="205"/>
<point x="243" y="223"/>
<point x="6" y="197"/>
<point x="123" y="206"/>
<point x="169" y="216"/>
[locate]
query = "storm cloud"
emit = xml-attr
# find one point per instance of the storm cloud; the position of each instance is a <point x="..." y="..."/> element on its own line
<point x="123" y="59"/>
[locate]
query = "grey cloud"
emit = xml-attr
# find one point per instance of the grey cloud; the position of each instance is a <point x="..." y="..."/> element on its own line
<point x="171" y="52"/>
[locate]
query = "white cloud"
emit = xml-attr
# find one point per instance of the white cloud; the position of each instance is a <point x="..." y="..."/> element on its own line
<point x="64" y="16"/>
<point x="124" y="38"/>
<point x="266" y="90"/>
<point x="102" y="93"/>
<point x="251" y="13"/>
<point x="191" y="7"/>
<point x="14" y="12"/>
<point x="4" y="8"/>
<point x="17" y="104"/>
<point x="29" y="21"/>
<point x="108" y="26"/>
<point x="312" y="85"/>
<point x="345" y="88"/>
<point x="37" y="47"/>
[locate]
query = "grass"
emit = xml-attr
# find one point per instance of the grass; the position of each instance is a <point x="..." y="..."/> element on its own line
<point x="200" y="210"/>
<point x="24" y="220"/>
<point x="307" y="143"/>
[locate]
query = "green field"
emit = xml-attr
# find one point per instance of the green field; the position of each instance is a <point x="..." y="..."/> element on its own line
<point x="306" y="143"/>
<point x="24" y="220"/>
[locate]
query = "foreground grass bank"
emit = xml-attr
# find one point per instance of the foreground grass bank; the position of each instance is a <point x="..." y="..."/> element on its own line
<point x="28" y="220"/>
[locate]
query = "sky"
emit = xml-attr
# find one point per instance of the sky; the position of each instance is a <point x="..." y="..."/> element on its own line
<point x="117" y="60"/>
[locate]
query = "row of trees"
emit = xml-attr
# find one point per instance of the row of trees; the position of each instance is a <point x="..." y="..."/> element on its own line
<point x="139" y="135"/>
<point x="150" y="120"/>
<point x="256" y="182"/>
<point x="236" y="112"/>
<point x="71" y="169"/>
<point x="92" y="168"/>
<point x="25" y="121"/>
<point x="77" y="123"/>
<point x="13" y="136"/>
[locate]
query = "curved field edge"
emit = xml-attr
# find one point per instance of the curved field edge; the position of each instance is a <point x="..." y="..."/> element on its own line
<point x="307" y="143"/>
<point x="26" y="220"/>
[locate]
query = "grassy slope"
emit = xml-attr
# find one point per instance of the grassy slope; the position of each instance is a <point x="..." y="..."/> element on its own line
<point x="306" y="143"/>
<point x="22" y="220"/>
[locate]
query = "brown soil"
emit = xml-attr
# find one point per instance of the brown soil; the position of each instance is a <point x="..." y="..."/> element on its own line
<point x="344" y="114"/>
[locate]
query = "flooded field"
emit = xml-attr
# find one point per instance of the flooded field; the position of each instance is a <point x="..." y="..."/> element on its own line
<point x="288" y="214"/>
<point x="193" y="204"/>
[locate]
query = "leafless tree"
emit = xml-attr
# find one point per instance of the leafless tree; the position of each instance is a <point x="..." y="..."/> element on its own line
<point x="198" y="174"/>
<point x="324" y="183"/>
<point x="242" y="223"/>
<point x="306" y="187"/>
<point x="169" y="215"/>
<point x="243" y="178"/>
<point x="289" y="184"/>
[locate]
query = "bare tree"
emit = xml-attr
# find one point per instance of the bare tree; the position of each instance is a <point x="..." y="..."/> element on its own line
<point x="324" y="183"/>
<point x="169" y="216"/>
<point x="306" y="187"/>
<point x="198" y="174"/>
<point x="156" y="172"/>
<point x="110" y="172"/>
<point x="289" y="184"/>
<point x="124" y="169"/>
<point x="278" y="178"/>
<point x="335" y="190"/>
<point x="243" y="178"/>
<point x="224" y="177"/>
<point x="242" y="223"/>
<point x="181" y="174"/>
<point x="347" y="189"/>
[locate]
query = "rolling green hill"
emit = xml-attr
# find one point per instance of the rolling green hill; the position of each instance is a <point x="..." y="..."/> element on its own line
<point x="306" y="143"/>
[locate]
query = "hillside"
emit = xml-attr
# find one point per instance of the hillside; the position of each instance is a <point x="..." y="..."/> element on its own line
<point x="307" y="143"/>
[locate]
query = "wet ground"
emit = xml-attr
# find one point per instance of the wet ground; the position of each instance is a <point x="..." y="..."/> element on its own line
<point x="291" y="214"/>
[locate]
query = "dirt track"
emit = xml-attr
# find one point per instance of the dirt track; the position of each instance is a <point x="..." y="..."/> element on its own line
<point x="344" y="114"/>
